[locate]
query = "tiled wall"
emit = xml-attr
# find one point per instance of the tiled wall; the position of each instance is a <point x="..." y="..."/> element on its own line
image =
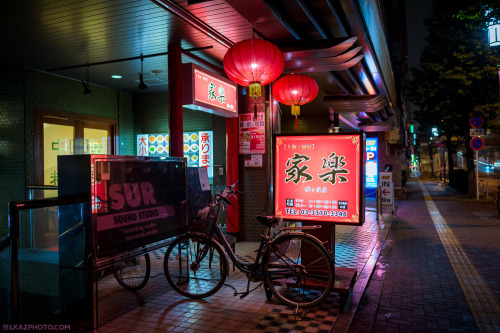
<point x="151" y="117"/>
<point x="310" y="123"/>
<point x="24" y="89"/>
<point x="255" y="182"/>
<point x="12" y="141"/>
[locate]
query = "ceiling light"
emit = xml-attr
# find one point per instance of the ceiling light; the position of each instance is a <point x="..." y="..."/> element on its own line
<point x="86" y="89"/>
<point x="142" y="85"/>
<point x="116" y="76"/>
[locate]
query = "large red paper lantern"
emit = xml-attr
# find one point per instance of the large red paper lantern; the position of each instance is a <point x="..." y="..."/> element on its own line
<point x="295" y="90"/>
<point x="253" y="63"/>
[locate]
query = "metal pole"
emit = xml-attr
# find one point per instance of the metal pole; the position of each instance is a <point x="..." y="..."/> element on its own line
<point x="477" y="174"/>
<point x="14" y="234"/>
<point x="377" y="198"/>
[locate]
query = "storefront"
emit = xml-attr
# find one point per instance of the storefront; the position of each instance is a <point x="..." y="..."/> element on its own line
<point x="208" y="100"/>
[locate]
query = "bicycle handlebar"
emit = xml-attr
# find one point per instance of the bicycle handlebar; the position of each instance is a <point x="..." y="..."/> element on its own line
<point x="230" y="190"/>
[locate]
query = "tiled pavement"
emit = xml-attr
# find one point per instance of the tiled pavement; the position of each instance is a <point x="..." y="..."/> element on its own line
<point x="156" y="308"/>
<point x="414" y="287"/>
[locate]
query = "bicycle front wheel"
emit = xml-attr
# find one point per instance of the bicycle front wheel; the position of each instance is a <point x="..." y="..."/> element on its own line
<point x="133" y="274"/>
<point x="195" y="266"/>
<point x="298" y="269"/>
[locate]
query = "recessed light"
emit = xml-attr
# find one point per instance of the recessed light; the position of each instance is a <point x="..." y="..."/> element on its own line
<point x="116" y="76"/>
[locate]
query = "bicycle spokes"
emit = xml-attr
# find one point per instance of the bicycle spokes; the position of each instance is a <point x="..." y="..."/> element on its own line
<point x="195" y="266"/>
<point x="300" y="271"/>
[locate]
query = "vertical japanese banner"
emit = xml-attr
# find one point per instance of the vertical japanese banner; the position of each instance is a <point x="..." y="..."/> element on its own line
<point x="320" y="177"/>
<point x="206" y="152"/>
<point x="142" y="145"/>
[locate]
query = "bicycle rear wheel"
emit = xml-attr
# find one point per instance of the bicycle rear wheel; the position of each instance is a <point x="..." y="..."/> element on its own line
<point x="195" y="266"/>
<point x="133" y="274"/>
<point x="299" y="270"/>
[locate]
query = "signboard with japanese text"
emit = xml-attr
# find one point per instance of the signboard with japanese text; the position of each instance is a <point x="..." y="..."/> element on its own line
<point x="197" y="146"/>
<point x="320" y="177"/>
<point x="206" y="152"/>
<point x="137" y="202"/>
<point x="476" y="131"/>
<point x="386" y="188"/>
<point x="252" y="133"/>
<point x="208" y="92"/>
<point x="371" y="162"/>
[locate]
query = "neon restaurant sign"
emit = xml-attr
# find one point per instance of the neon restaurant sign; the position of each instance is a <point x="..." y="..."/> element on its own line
<point x="320" y="177"/>
<point x="208" y="92"/>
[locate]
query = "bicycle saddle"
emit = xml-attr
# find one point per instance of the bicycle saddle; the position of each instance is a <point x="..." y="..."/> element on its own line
<point x="269" y="221"/>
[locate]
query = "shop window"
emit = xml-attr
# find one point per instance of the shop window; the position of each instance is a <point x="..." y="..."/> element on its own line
<point x="63" y="133"/>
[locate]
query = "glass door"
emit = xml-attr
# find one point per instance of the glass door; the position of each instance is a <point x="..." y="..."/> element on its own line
<point x="61" y="133"/>
<point x="57" y="140"/>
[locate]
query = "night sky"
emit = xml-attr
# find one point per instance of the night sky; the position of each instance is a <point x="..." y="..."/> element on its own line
<point x="416" y="12"/>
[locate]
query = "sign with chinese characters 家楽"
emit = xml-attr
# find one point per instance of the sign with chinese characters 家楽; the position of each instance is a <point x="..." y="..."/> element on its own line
<point x="320" y="177"/>
<point x="208" y="92"/>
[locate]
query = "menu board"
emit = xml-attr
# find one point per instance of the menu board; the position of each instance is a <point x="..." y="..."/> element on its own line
<point x="252" y="136"/>
<point x="197" y="147"/>
<point x="320" y="177"/>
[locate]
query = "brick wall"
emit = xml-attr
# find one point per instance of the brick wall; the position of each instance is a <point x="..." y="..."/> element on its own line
<point x="310" y="123"/>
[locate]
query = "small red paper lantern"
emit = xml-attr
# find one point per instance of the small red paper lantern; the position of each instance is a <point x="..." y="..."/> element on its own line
<point x="295" y="90"/>
<point x="253" y="63"/>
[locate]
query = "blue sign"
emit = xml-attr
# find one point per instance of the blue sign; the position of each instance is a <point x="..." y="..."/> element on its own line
<point x="477" y="143"/>
<point x="476" y="121"/>
<point x="371" y="163"/>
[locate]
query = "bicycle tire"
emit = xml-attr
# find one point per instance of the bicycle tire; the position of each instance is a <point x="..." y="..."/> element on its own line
<point x="189" y="277"/>
<point x="133" y="274"/>
<point x="299" y="270"/>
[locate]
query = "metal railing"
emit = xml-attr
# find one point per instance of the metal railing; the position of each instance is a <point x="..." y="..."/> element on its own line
<point x="31" y="196"/>
<point x="12" y="238"/>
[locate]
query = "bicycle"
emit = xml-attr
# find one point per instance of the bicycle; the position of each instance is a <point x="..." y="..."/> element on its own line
<point x="294" y="266"/>
<point x="133" y="274"/>
<point x="497" y="197"/>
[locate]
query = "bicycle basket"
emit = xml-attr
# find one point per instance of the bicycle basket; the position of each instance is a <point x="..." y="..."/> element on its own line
<point x="203" y="220"/>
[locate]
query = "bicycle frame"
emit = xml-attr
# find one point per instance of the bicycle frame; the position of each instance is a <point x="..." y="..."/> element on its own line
<point x="247" y="268"/>
<point x="251" y="269"/>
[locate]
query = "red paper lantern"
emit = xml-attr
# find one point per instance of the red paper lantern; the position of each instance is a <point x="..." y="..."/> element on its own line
<point x="295" y="90"/>
<point x="253" y="63"/>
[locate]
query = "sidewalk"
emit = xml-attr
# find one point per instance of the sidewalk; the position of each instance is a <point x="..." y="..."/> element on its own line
<point x="156" y="308"/>
<point x="437" y="272"/>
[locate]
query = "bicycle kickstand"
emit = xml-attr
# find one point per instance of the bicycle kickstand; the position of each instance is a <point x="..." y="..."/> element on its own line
<point x="245" y="294"/>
